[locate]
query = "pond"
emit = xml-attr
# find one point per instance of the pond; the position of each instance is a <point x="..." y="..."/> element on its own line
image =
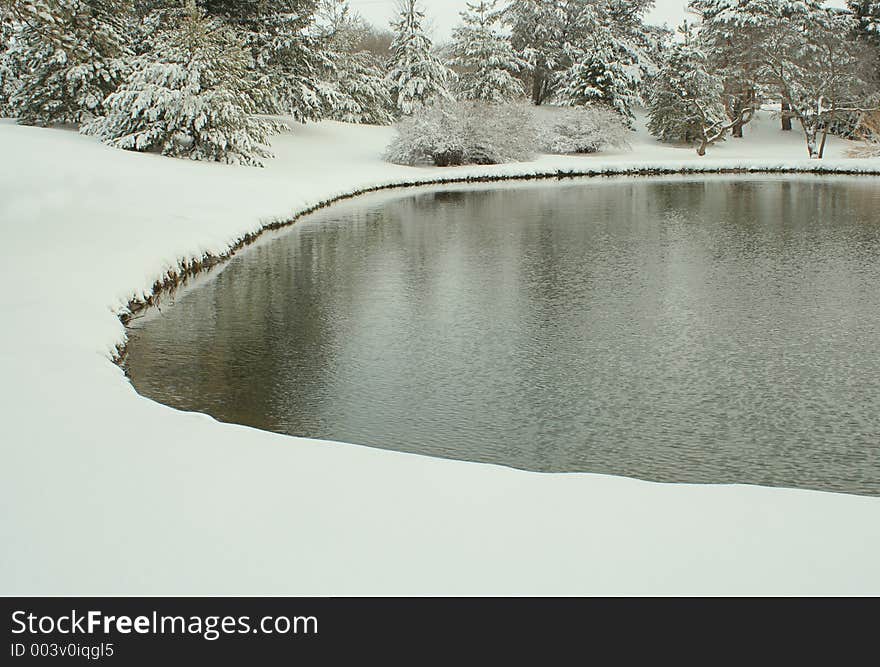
<point x="704" y="330"/>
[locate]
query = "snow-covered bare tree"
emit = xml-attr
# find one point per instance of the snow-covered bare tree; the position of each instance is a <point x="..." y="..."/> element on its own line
<point x="415" y="75"/>
<point x="485" y="57"/>
<point x="817" y="66"/>
<point x="66" y="57"/>
<point x="358" y="89"/>
<point x="189" y="97"/>
<point x="685" y="99"/>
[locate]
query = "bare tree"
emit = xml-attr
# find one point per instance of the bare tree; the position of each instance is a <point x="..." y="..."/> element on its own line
<point x="821" y="72"/>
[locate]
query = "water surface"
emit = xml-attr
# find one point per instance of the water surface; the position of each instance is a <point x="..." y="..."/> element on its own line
<point x="683" y="330"/>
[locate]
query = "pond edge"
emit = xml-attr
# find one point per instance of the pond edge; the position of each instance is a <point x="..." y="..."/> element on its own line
<point x="175" y="277"/>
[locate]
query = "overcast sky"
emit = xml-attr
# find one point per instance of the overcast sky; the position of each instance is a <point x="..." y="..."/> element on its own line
<point x="444" y="14"/>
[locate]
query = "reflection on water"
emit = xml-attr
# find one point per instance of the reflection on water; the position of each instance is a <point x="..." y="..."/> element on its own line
<point x="711" y="330"/>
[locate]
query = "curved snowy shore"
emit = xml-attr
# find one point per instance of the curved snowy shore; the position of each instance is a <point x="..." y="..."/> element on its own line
<point x="108" y="492"/>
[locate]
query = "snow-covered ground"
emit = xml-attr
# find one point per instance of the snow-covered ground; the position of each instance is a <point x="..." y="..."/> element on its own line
<point x="107" y="492"/>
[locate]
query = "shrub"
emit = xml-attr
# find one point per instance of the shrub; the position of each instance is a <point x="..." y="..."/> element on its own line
<point x="583" y="129"/>
<point x="454" y="133"/>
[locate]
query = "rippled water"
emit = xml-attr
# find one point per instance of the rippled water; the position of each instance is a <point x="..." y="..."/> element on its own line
<point x="689" y="330"/>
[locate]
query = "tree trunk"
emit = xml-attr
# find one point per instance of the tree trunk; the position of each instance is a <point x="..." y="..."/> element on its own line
<point x="810" y="134"/>
<point x="538" y="87"/>
<point x="824" y="138"/>
<point x="786" y="117"/>
<point x="737" y="129"/>
<point x="701" y="149"/>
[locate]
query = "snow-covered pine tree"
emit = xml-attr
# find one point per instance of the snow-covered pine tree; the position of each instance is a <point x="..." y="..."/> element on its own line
<point x="358" y="91"/>
<point x="608" y="57"/>
<point x="66" y="57"/>
<point x="415" y="75"/>
<point x="287" y="53"/>
<point x="584" y="51"/>
<point x="733" y="34"/>
<point x="538" y="30"/>
<point x="685" y="98"/>
<point x="189" y="97"/>
<point x="489" y="65"/>
<point x="867" y="15"/>
<point x="7" y="77"/>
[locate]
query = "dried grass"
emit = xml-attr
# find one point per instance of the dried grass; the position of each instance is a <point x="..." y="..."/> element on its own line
<point x="870" y="130"/>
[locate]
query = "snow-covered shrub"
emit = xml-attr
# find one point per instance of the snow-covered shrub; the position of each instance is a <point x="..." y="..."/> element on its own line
<point x="188" y="98"/>
<point x="585" y="129"/>
<point x="455" y="133"/>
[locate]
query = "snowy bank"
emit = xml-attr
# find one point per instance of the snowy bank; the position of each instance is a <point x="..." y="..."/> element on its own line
<point x="108" y="492"/>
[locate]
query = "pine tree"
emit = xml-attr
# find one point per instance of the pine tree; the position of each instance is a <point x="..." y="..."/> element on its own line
<point x="867" y="13"/>
<point x="287" y="54"/>
<point x="358" y="92"/>
<point x="867" y="16"/>
<point x="608" y="59"/>
<point x="584" y="51"/>
<point x="734" y="35"/>
<point x="7" y="76"/>
<point x="486" y="57"/>
<point x="602" y="68"/>
<point x="538" y="30"/>
<point x="189" y="97"/>
<point x="415" y="75"/>
<point x="685" y="99"/>
<point x="67" y="56"/>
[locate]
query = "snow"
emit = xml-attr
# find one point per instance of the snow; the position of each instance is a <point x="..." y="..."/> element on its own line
<point x="106" y="492"/>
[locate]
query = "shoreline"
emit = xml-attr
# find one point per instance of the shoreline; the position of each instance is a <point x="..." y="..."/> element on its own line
<point x="185" y="269"/>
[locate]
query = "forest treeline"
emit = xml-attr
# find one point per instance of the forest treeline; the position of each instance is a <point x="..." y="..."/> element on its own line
<point x="214" y="79"/>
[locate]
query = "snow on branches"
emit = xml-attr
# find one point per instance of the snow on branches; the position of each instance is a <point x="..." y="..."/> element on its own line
<point x="189" y="98"/>
<point x="464" y="132"/>
<point x="415" y="75"/>
<point x="583" y="51"/>
<point x="583" y="129"/>
<point x="358" y="92"/>
<point x="64" y="58"/>
<point x="685" y="102"/>
<point x="488" y="63"/>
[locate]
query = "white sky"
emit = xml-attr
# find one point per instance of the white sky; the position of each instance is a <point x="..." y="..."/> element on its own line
<point x="444" y="14"/>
